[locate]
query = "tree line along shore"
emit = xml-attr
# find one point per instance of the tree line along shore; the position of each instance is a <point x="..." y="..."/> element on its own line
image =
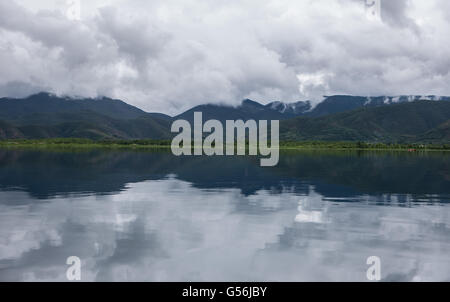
<point x="149" y="143"/>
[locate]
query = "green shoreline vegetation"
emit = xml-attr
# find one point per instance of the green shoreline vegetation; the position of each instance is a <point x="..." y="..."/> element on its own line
<point x="75" y="143"/>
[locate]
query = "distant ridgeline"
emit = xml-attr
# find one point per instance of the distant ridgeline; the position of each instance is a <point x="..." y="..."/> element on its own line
<point x="338" y="118"/>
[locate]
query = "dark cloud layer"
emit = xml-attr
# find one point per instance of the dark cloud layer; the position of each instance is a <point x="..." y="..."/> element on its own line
<point x="169" y="55"/>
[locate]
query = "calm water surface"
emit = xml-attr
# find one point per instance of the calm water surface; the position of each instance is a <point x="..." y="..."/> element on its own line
<point x="150" y="216"/>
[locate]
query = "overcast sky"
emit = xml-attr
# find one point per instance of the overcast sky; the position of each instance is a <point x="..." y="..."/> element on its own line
<point x="168" y="55"/>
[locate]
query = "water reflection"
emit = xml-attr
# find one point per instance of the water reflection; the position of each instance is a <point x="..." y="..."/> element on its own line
<point x="152" y="217"/>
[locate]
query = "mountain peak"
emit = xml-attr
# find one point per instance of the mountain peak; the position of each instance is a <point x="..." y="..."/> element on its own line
<point x="52" y="104"/>
<point x="248" y="102"/>
<point x="41" y="95"/>
<point x="294" y="109"/>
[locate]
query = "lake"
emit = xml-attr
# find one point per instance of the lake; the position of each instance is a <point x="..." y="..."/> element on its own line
<point x="151" y="216"/>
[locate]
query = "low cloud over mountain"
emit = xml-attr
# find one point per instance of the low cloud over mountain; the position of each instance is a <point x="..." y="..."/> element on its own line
<point x="168" y="55"/>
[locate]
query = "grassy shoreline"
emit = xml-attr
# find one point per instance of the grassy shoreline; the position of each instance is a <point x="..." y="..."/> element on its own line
<point x="165" y="144"/>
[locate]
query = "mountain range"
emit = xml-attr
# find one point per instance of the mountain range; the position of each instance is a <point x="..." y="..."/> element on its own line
<point x="46" y="115"/>
<point x="340" y="117"/>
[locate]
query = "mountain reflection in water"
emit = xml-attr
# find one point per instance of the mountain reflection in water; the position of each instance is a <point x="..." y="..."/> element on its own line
<point x="150" y="216"/>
